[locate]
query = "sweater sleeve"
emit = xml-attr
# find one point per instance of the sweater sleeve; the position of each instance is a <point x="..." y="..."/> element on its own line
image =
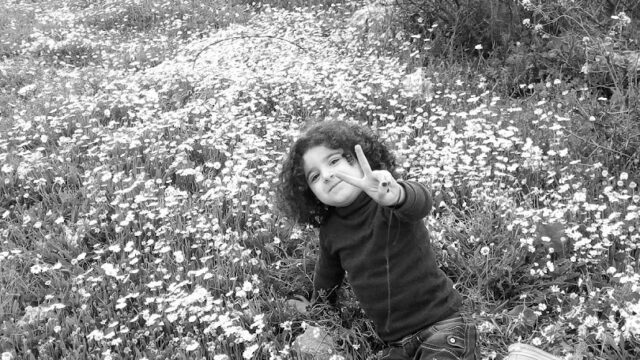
<point x="417" y="203"/>
<point x="328" y="273"/>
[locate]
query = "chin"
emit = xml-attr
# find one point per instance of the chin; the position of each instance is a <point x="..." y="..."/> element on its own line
<point x="347" y="200"/>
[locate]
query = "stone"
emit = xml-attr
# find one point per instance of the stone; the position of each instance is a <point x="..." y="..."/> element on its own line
<point x="317" y="344"/>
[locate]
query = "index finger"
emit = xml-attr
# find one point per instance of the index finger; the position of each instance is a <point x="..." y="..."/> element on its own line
<point x="357" y="182"/>
<point x="362" y="160"/>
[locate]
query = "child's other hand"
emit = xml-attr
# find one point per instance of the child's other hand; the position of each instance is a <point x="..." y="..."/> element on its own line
<point x="300" y="303"/>
<point x="379" y="184"/>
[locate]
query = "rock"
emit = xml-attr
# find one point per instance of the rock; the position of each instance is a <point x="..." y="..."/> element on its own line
<point x="626" y="60"/>
<point x="417" y="85"/>
<point x="525" y="315"/>
<point x="376" y="21"/>
<point x="317" y="344"/>
<point x="34" y="315"/>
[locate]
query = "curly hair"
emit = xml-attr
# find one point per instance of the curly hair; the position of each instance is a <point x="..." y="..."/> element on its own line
<point x="295" y="198"/>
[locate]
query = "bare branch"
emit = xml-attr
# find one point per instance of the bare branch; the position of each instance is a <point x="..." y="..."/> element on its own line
<point x="598" y="145"/>
<point x="245" y="37"/>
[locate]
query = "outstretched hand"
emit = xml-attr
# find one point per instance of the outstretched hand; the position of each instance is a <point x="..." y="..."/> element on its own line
<point x="300" y="303"/>
<point x="379" y="184"/>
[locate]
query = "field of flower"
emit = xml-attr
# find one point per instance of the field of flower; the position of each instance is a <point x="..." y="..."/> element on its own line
<point x="140" y="143"/>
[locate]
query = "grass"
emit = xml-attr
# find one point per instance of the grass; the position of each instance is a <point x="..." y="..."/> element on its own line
<point x="140" y="145"/>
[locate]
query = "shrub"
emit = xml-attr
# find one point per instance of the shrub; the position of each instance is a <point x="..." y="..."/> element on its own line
<point x="174" y="17"/>
<point x="591" y="47"/>
<point x="532" y="41"/>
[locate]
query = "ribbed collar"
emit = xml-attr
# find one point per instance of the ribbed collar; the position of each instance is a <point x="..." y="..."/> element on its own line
<point x="361" y="201"/>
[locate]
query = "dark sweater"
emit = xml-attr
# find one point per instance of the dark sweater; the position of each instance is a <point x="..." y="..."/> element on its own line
<point x="356" y="239"/>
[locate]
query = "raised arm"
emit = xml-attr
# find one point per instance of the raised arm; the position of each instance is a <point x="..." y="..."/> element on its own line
<point x="417" y="203"/>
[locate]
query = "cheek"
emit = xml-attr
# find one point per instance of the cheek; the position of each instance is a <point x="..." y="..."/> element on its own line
<point x="356" y="169"/>
<point x="315" y="190"/>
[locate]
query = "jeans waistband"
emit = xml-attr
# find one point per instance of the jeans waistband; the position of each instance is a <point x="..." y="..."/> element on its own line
<point x="423" y="333"/>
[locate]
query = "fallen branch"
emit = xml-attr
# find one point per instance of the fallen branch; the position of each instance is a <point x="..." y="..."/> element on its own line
<point x="598" y="145"/>
<point x="245" y="37"/>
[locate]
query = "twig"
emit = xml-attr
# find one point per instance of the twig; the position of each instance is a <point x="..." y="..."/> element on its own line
<point x="598" y="145"/>
<point x="245" y="37"/>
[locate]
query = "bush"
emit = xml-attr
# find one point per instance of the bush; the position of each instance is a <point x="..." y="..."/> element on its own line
<point x="175" y="18"/>
<point x="16" y="25"/>
<point x="591" y="46"/>
<point x="534" y="41"/>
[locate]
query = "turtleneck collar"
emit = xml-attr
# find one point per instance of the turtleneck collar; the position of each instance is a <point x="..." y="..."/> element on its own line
<point x="361" y="201"/>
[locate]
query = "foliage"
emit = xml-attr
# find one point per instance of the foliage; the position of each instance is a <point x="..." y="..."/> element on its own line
<point x="139" y="157"/>
<point x="524" y="46"/>
<point x="532" y="41"/>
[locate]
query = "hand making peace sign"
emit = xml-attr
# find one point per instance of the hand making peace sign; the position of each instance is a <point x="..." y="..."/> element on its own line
<point x="379" y="184"/>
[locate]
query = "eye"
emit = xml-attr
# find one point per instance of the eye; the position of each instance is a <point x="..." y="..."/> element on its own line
<point x="313" y="177"/>
<point x="335" y="160"/>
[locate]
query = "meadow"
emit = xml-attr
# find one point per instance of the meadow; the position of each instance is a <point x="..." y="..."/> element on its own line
<point x="140" y="146"/>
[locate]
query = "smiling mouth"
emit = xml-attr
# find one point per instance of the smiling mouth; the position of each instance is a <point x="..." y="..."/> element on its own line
<point x="334" y="185"/>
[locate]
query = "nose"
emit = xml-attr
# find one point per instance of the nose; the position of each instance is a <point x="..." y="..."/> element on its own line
<point x="326" y="176"/>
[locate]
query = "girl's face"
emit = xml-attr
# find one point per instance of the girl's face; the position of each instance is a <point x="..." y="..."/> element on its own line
<point x="320" y="166"/>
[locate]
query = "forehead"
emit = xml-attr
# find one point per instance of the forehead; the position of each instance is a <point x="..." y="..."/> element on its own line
<point x="317" y="155"/>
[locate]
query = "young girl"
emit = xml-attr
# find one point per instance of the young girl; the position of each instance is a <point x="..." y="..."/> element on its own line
<point x="340" y="178"/>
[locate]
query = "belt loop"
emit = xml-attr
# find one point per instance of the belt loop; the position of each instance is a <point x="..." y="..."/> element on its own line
<point x="408" y="340"/>
<point x="418" y="337"/>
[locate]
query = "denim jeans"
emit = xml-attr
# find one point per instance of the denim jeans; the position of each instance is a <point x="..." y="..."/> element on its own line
<point x="450" y="339"/>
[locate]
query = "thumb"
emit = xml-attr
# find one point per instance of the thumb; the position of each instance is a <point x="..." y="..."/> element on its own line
<point x="357" y="182"/>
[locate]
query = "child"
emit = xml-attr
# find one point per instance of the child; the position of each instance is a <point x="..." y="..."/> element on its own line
<point x="340" y="178"/>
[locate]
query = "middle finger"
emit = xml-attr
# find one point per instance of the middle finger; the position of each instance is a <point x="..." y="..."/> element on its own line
<point x="362" y="160"/>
